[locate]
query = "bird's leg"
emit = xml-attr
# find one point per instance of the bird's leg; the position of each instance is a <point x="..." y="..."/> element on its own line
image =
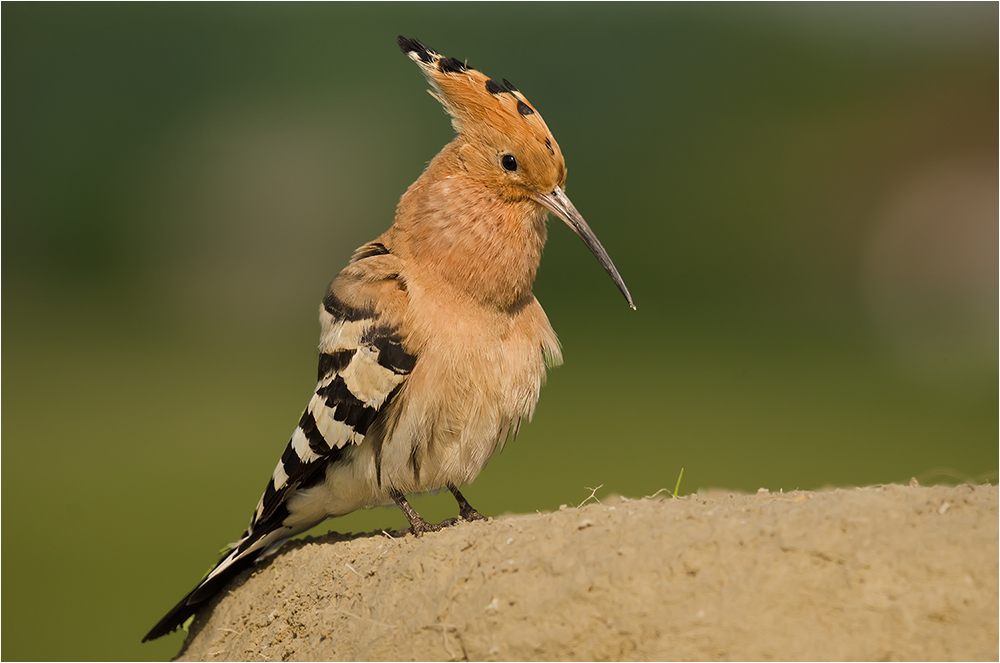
<point x="417" y="524"/>
<point x="465" y="510"/>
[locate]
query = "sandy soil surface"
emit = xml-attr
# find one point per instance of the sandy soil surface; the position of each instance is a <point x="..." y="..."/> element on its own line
<point x="881" y="573"/>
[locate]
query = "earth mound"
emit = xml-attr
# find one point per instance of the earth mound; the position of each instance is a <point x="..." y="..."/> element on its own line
<point x="880" y="573"/>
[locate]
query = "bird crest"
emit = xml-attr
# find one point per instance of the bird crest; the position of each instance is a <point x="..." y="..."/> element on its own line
<point x="478" y="103"/>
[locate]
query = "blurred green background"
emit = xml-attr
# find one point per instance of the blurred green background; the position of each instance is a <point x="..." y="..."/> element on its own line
<point x="802" y="199"/>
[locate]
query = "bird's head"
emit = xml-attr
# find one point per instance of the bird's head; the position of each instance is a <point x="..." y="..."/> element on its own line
<point x="505" y="144"/>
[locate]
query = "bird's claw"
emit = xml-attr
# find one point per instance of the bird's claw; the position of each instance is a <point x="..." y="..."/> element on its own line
<point x="470" y="515"/>
<point x="422" y="527"/>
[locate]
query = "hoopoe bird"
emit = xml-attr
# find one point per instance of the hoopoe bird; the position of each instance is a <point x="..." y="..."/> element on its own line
<point x="433" y="348"/>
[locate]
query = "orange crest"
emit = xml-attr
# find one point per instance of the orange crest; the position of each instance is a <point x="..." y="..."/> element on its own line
<point x="478" y="103"/>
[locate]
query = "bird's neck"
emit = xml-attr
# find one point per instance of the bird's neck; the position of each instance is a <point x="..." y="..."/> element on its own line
<point x="456" y="228"/>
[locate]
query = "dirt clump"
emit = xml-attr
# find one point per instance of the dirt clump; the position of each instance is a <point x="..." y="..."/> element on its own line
<point x="881" y="573"/>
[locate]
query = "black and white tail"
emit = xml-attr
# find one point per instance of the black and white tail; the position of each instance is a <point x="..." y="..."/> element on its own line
<point x="267" y="530"/>
<point x="229" y="567"/>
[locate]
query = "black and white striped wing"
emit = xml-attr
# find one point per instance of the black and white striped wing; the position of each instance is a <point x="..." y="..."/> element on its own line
<point x="362" y="366"/>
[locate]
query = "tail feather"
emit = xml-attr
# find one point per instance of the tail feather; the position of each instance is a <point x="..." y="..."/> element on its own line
<point x="259" y="540"/>
<point x="241" y="557"/>
<point x="203" y="593"/>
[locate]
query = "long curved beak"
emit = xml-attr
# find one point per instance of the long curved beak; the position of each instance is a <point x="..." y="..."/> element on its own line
<point x="557" y="203"/>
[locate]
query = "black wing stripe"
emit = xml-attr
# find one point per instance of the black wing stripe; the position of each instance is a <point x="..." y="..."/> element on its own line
<point x="269" y="492"/>
<point x="290" y="461"/>
<point x="347" y="408"/>
<point x="391" y="354"/>
<point x="333" y="363"/>
<point x="342" y="311"/>
<point x="369" y="251"/>
<point x="317" y="442"/>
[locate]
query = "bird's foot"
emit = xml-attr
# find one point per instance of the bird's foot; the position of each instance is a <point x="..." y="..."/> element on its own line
<point x="421" y="526"/>
<point x="417" y="524"/>
<point x="469" y="514"/>
<point x="465" y="510"/>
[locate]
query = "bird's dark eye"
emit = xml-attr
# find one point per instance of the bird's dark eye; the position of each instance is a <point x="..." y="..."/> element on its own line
<point x="508" y="162"/>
